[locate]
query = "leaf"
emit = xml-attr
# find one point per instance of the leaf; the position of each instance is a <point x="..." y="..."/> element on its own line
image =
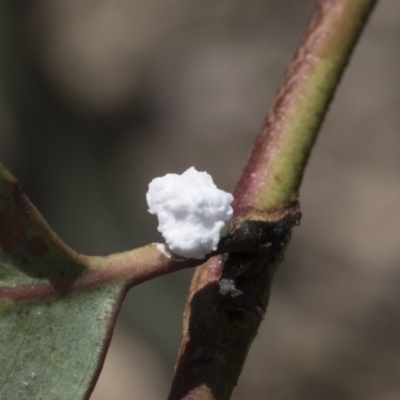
<point x="57" y="307"/>
<point x="54" y="333"/>
<point x="52" y="349"/>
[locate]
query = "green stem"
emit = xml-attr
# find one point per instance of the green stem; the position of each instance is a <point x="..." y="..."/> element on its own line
<point x="275" y="169"/>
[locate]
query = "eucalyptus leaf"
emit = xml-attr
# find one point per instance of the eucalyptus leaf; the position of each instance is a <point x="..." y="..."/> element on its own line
<point x="57" y="307"/>
<point x="53" y="333"/>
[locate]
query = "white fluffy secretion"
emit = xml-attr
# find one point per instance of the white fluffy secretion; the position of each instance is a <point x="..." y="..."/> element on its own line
<point x="192" y="212"/>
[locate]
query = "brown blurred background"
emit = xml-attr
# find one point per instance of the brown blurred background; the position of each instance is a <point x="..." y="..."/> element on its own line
<point x="98" y="97"/>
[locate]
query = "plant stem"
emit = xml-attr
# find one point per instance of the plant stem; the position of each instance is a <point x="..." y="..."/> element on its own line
<point x="217" y="332"/>
<point x="275" y="169"/>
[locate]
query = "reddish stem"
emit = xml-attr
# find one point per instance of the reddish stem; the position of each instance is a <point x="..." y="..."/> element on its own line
<point x="218" y="330"/>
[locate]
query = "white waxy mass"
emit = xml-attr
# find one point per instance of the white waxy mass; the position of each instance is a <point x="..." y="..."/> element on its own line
<point x="192" y="212"/>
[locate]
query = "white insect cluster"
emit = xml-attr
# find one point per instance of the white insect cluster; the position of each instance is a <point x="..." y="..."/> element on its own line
<point x="192" y="212"/>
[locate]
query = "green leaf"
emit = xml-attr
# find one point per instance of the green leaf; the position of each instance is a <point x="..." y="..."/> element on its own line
<point x="52" y="349"/>
<point x="56" y="321"/>
<point x="57" y="307"/>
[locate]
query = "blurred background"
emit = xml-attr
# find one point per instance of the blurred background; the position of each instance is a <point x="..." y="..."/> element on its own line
<point x="99" y="97"/>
